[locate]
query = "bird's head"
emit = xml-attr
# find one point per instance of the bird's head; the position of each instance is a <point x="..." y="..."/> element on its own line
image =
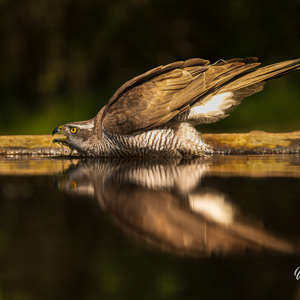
<point x="76" y="135"/>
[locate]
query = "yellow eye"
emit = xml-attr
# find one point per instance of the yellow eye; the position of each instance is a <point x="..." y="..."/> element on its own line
<point x="73" y="184"/>
<point x="73" y="130"/>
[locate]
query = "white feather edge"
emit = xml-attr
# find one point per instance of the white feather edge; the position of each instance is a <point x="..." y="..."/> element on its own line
<point x="214" y="106"/>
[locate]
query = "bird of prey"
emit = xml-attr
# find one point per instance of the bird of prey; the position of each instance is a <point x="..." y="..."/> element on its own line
<point x="154" y="114"/>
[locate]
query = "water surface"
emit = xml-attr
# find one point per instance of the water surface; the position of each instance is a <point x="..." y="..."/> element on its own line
<point x="217" y="227"/>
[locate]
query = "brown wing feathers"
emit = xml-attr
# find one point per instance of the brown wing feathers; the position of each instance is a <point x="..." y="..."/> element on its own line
<point x="264" y="74"/>
<point x="155" y="97"/>
<point x="212" y="79"/>
<point x="158" y="103"/>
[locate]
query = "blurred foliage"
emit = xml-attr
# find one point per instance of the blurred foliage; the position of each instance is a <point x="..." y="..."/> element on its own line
<point x="61" y="60"/>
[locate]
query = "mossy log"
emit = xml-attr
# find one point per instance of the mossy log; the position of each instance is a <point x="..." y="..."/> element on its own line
<point x="255" y="142"/>
<point x="40" y="145"/>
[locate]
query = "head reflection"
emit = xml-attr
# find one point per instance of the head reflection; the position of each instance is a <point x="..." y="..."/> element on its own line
<point x="163" y="204"/>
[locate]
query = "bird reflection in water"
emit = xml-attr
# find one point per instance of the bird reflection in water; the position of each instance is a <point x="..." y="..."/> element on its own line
<point x="163" y="204"/>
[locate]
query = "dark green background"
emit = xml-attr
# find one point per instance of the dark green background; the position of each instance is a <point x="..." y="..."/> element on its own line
<point x="61" y="60"/>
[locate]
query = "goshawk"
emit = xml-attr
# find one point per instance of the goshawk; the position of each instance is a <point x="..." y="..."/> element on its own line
<point x="154" y="114"/>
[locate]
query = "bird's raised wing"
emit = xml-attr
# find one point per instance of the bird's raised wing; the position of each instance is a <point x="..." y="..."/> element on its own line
<point x="155" y="97"/>
<point x="218" y="102"/>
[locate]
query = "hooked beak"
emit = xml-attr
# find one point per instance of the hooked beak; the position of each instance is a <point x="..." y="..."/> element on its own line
<point x="59" y="130"/>
<point x="56" y="130"/>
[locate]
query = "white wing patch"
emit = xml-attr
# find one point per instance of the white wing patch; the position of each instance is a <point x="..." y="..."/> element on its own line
<point x="214" y="106"/>
<point x="213" y="207"/>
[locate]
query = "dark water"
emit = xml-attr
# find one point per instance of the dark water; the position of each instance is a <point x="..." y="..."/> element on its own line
<point x="215" y="228"/>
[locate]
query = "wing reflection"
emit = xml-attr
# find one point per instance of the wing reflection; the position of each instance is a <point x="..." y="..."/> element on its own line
<point x="164" y="204"/>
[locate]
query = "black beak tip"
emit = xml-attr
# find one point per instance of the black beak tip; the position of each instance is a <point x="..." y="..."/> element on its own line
<point x="56" y="130"/>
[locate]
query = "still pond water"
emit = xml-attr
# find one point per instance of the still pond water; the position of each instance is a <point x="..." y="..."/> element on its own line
<point x="222" y="227"/>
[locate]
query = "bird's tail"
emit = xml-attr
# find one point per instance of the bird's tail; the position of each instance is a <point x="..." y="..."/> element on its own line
<point x="263" y="74"/>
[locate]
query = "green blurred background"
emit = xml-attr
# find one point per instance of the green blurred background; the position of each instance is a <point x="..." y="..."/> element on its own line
<point x="61" y="60"/>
